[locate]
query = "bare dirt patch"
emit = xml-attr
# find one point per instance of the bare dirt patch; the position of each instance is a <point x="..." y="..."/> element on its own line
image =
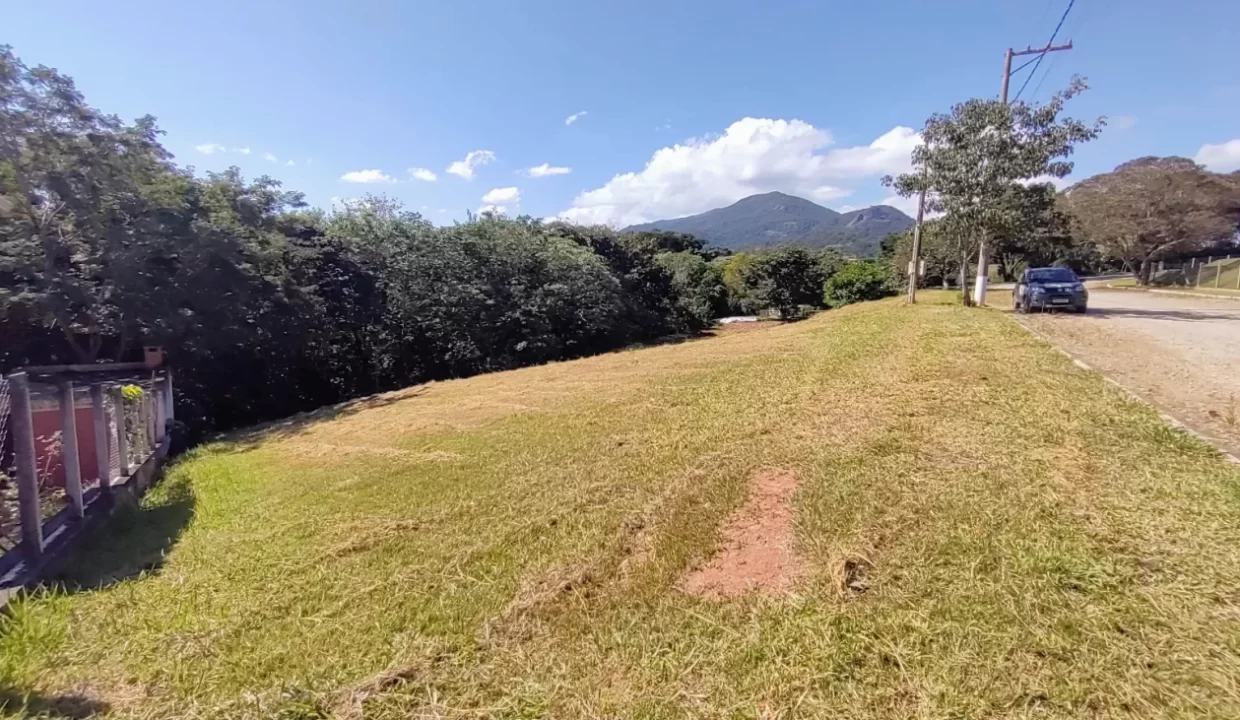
<point x="757" y="552"/>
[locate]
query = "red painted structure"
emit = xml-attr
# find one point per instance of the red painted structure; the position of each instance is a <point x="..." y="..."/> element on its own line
<point x="45" y="414"/>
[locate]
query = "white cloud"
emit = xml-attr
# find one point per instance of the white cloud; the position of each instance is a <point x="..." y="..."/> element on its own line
<point x="547" y="170"/>
<point x="502" y="196"/>
<point x="242" y="150"/>
<point x="1059" y="183"/>
<point x="475" y="159"/>
<point x="210" y="148"/>
<point x="890" y="153"/>
<point x="290" y="163"/>
<point x="367" y="176"/>
<point x="753" y="155"/>
<point x="422" y="174"/>
<point x="1122" y="122"/>
<point x="575" y="117"/>
<point x="270" y="158"/>
<point x="1220" y="158"/>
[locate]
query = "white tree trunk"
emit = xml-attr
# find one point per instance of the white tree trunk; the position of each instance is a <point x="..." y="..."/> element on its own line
<point x="983" y="272"/>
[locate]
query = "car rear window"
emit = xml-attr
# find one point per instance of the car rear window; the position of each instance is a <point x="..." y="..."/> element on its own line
<point x="1060" y="275"/>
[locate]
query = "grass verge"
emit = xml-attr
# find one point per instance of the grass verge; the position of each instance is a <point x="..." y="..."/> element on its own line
<point x="1035" y="545"/>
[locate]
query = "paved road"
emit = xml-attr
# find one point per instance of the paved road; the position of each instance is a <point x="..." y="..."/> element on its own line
<point x="1181" y="353"/>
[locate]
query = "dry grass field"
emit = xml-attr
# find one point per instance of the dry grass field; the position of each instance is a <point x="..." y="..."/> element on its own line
<point x="978" y="529"/>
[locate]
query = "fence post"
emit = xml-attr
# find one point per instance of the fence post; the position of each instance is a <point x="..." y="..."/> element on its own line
<point x="102" y="452"/>
<point x="69" y="449"/>
<point x="144" y="420"/>
<point x="27" y="469"/>
<point x="170" y="413"/>
<point x="1218" y="274"/>
<point x="158" y="406"/>
<point x="122" y="439"/>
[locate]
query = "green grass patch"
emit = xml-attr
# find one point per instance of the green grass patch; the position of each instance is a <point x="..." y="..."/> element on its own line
<point x="509" y="545"/>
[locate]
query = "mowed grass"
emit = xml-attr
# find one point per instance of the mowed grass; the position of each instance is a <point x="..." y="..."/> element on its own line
<point x="1035" y="544"/>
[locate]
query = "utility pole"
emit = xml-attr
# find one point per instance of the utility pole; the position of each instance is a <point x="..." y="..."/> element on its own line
<point x="983" y="261"/>
<point x="914" y="265"/>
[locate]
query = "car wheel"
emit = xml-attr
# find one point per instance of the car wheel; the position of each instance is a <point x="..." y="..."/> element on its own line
<point x="1080" y="310"/>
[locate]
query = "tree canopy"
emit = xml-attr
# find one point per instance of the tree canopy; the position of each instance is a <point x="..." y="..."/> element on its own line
<point x="1153" y="208"/>
<point x="972" y="156"/>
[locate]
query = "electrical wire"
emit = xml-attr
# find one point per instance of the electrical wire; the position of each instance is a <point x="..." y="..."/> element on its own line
<point x="1038" y="87"/>
<point x="1042" y="54"/>
<point x="1081" y="19"/>
<point x="1026" y="64"/>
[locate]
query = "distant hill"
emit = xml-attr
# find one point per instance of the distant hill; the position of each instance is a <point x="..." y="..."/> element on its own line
<point x="777" y="218"/>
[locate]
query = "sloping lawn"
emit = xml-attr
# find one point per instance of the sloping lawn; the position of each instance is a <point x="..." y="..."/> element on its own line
<point x="1033" y="545"/>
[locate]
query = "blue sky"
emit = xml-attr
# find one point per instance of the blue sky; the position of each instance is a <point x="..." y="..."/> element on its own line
<point x="687" y="105"/>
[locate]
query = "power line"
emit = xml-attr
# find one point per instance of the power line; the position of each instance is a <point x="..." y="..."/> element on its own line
<point x="1026" y="64"/>
<point x="1038" y="87"/>
<point x="1042" y="55"/>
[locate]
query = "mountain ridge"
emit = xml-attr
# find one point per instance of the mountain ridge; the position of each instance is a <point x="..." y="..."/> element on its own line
<point x="776" y="218"/>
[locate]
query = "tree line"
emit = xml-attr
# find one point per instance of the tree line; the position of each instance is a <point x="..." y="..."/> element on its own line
<point x="987" y="170"/>
<point x="266" y="306"/>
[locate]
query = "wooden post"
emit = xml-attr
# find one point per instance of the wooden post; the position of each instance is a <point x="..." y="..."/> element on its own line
<point x="27" y="467"/>
<point x="1218" y="274"/>
<point x="102" y="466"/>
<point x="122" y="440"/>
<point x="69" y="449"/>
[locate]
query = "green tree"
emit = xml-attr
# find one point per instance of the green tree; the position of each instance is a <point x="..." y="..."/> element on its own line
<point x="1038" y="233"/>
<point x="858" y="281"/>
<point x="786" y="279"/>
<point x="973" y="155"/>
<point x="78" y="208"/>
<point x="699" y="286"/>
<point x="1152" y="208"/>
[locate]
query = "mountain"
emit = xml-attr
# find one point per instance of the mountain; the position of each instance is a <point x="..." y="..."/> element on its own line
<point x="777" y="218"/>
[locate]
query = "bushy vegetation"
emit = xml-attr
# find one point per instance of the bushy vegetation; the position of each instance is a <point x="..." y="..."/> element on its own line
<point x="267" y="306"/>
<point x="859" y="281"/>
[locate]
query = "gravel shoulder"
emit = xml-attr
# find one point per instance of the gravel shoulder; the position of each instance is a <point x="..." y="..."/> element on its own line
<point x="1180" y="353"/>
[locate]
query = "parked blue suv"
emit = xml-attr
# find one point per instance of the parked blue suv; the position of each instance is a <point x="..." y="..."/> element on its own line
<point x="1049" y="288"/>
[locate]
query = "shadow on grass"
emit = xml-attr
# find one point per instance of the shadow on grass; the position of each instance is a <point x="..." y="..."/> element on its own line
<point x="64" y="705"/>
<point x="133" y="541"/>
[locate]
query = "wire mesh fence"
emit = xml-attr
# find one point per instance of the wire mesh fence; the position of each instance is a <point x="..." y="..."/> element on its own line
<point x="1220" y="274"/>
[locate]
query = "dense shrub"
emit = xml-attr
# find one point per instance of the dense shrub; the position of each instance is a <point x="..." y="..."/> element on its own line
<point x="858" y="281"/>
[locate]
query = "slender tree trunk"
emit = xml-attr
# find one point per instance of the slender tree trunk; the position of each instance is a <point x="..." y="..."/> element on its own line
<point x="1143" y="273"/>
<point x="965" y="298"/>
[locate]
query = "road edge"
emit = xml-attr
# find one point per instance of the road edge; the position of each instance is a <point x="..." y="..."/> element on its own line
<point x="1133" y="395"/>
<point x="1177" y="293"/>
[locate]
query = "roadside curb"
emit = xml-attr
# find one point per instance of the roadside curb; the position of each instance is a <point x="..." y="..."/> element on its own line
<point x="1178" y="293"/>
<point x="1170" y="420"/>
